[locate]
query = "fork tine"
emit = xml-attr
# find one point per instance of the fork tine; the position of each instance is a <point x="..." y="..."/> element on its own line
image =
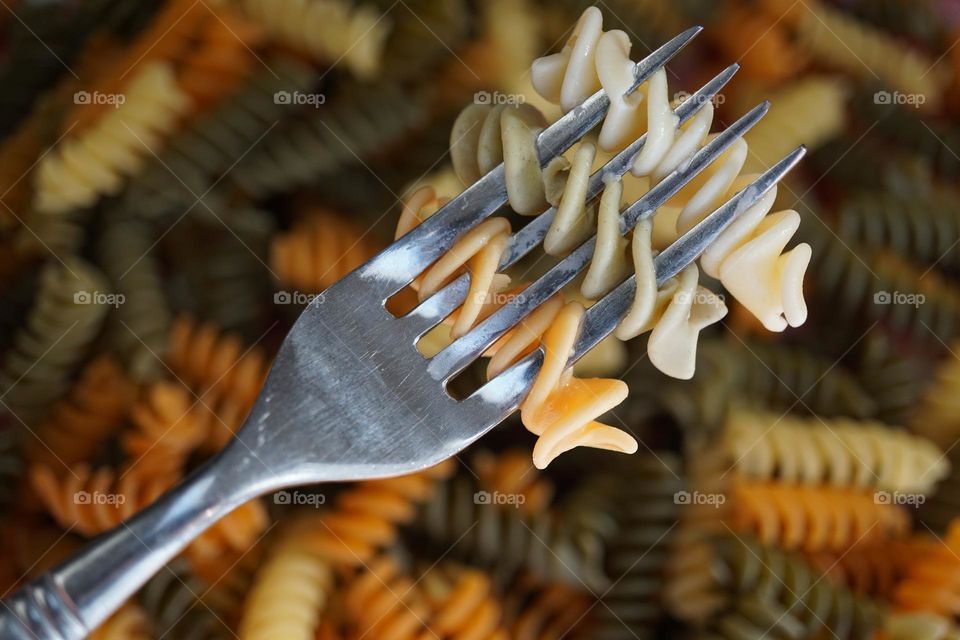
<point x="603" y="316"/>
<point x="455" y="357"/>
<point x="397" y="265"/>
<point x="433" y="310"/>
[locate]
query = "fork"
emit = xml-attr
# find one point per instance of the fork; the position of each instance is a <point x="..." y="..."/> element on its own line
<point x="349" y="397"/>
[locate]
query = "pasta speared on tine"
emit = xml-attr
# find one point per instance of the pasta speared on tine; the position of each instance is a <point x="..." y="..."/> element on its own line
<point x="674" y="148"/>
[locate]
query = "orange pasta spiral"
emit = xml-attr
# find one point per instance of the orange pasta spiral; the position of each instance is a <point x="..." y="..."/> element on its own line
<point x="813" y="518"/>
<point x="225" y="374"/>
<point x="367" y="515"/>
<point x="543" y="613"/>
<point x="319" y="250"/>
<point x="232" y="535"/>
<point x="384" y="602"/>
<point x="870" y="567"/>
<point x="511" y="473"/>
<point x="168" y="429"/>
<point x="762" y="47"/>
<point x="932" y="582"/>
<point x="91" y="501"/>
<point x="464" y="605"/>
<point x="92" y="412"/>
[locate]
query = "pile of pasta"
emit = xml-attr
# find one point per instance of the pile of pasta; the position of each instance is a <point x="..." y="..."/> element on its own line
<point x="179" y="179"/>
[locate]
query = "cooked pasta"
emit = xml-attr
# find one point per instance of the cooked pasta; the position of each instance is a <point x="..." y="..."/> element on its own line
<point x="777" y="594"/>
<point x="463" y="604"/>
<point x="836" y="451"/>
<point x="96" y="162"/>
<point x="840" y="40"/>
<point x="811" y="111"/>
<point x="141" y="325"/>
<point x="331" y="31"/>
<point x="813" y="518"/>
<point x="66" y="316"/>
<point x="92" y="501"/>
<point x="82" y="421"/>
<point x="932" y="582"/>
<point x="319" y="250"/>
<point x="291" y="588"/>
<point x="385" y="602"/>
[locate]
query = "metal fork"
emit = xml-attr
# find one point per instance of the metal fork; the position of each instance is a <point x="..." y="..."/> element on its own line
<point x="349" y="397"/>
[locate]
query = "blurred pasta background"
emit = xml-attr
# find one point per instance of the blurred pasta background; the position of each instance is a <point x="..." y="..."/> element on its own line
<point x="179" y="178"/>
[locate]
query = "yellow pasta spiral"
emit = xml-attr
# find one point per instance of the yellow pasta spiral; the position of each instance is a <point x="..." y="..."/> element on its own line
<point x="331" y="31"/>
<point x="836" y="451"/>
<point x="94" y="163"/>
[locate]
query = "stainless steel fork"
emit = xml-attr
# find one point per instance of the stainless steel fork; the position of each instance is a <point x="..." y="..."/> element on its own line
<point x="350" y="398"/>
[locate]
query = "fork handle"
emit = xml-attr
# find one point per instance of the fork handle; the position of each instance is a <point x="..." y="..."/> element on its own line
<point x="71" y="600"/>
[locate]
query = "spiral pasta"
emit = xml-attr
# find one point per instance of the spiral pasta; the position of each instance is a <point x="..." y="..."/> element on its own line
<point x="92" y="412"/>
<point x="463" y="604"/>
<point x="290" y="590"/>
<point x="932" y="582"/>
<point x="92" y="501"/>
<point x="62" y="322"/>
<point x="174" y="605"/>
<point x="840" y="40"/>
<point x="935" y="416"/>
<point x="869" y="567"/>
<point x="837" y="451"/>
<point x="96" y="162"/>
<point x="330" y="31"/>
<point x="319" y="250"/>
<point x="168" y="428"/>
<point x="385" y="602"/>
<point x="813" y="518"/>
<point x="226" y="376"/>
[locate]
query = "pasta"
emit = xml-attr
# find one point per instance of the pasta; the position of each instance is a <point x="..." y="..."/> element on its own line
<point x="172" y="601"/>
<point x="332" y="31"/>
<point x="463" y="604"/>
<point x="62" y="322"/>
<point x="168" y="428"/>
<point x="320" y="250"/>
<point x="290" y="591"/>
<point x="813" y="518"/>
<point x="82" y="421"/>
<point x="842" y="41"/>
<point x="931" y="582"/>
<point x="870" y="568"/>
<point x="385" y="602"/>
<point x="96" y="162"/>
<point x="838" y="452"/>
<point x="92" y="501"/>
